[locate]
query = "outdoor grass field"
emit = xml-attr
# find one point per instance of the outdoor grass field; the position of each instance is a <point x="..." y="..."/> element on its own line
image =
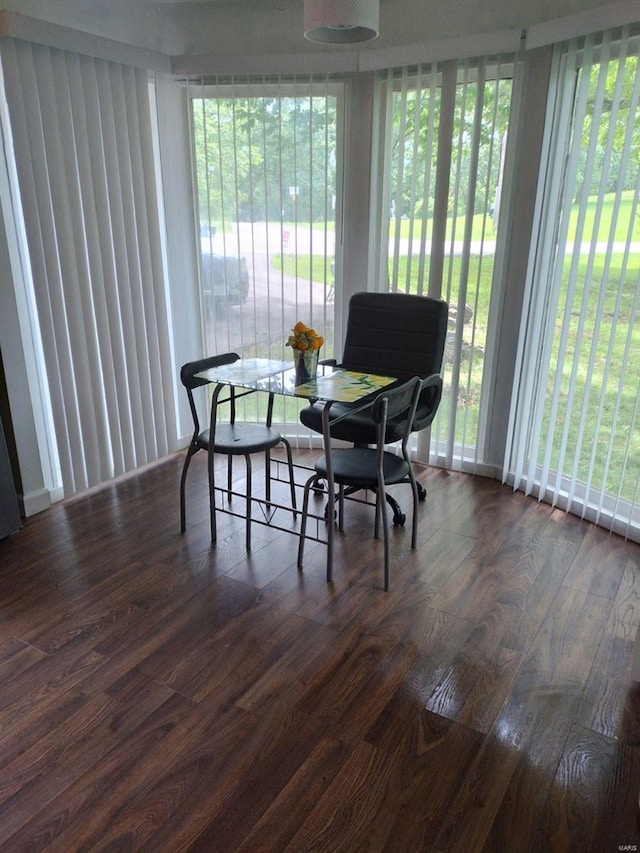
<point x="482" y="226"/>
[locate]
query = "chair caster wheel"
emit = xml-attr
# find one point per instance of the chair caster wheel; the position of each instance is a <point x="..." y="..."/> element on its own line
<point x="422" y="492"/>
<point x="326" y="513"/>
<point x="399" y="519"/>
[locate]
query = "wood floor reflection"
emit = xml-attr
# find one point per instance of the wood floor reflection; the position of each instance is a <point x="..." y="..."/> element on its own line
<point x="159" y="694"/>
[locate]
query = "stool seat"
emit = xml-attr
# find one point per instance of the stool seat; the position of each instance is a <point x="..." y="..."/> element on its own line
<point x="242" y="438"/>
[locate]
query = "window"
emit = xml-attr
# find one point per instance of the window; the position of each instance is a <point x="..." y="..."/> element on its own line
<point x="266" y="157"/>
<point x="444" y="132"/>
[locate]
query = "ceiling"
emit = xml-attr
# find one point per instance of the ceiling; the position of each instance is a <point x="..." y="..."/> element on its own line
<point x="250" y="28"/>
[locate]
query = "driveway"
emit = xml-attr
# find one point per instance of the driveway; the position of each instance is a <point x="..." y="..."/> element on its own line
<point x="276" y="300"/>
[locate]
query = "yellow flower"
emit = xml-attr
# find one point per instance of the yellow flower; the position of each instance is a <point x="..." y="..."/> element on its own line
<point x="304" y="338"/>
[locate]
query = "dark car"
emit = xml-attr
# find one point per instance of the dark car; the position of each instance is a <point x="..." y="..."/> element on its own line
<point x="225" y="277"/>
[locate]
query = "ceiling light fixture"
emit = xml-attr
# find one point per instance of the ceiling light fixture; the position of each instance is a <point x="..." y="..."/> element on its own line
<point x="341" y="21"/>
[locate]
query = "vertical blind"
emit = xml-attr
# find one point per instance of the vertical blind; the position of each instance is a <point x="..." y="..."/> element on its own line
<point x="575" y="421"/>
<point x="84" y="157"/>
<point x="444" y="131"/>
<point x="265" y="156"/>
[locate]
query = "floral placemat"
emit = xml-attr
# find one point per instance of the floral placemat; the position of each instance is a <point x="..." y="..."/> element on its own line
<point x="344" y="386"/>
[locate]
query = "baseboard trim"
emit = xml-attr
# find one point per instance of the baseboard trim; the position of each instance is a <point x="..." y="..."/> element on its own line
<point x="35" y="502"/>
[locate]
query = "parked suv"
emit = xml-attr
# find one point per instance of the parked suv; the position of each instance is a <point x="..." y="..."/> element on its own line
<point x="225" y="275"/>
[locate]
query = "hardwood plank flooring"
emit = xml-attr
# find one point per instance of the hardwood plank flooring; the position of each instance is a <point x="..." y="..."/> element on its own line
<point x="160" y="694"/>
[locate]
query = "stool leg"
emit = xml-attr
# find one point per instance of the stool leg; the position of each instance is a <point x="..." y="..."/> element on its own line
<point x="229" y="477"/>
<point x="303" y="523"/>
<point x="248" y="510"/>
<point x="267" y="475"/>
<point x="292" y="480"/>
<point x="183" y="483"/>
<point x="382" y="518"/>
<point x="212" y="496"/>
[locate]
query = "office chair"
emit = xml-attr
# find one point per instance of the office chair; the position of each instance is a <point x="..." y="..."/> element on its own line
<point x="392" y="334"/>
<point x="231" y="439"/>
<point x="371" y="468"/>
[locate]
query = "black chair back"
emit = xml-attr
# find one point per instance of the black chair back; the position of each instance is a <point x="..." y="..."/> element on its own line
<point x="395" y="334"/>
<point x="398" y="334"/>
<point x="191" y="381"/>
<point x="188" y="371"/>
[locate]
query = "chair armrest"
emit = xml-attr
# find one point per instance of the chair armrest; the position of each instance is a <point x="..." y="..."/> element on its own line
<point x="328" y="362"/>
<point x="435" y="380"/>
<point x="428" y="401"/>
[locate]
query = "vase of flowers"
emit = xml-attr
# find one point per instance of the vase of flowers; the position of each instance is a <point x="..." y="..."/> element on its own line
<point x="305" y="343"/>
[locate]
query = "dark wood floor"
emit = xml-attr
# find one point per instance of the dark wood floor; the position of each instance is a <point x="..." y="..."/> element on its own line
<point x="161" y="695"/>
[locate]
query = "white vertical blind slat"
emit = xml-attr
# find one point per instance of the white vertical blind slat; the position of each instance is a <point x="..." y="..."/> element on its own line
<point x="152" y="357"/>
<point x="398" y="201"/>
<point x="115" y="357"/>
<point x="426" y="193"/>
<point x="413" y="194"/>
<point x="443" y="438"/>
<point x="460" y="283"/>
<point x="489" y="204"/>
<point x="470" y="208"/>
<point x="135" y="337"/>
<point x="122" y="300"/>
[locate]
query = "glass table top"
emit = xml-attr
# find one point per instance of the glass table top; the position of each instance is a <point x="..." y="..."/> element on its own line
<point x="330" y="385"/>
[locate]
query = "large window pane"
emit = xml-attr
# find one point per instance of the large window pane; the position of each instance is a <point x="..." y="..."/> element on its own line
<point x="266" y="160"/>
<point x="446" y="130"/>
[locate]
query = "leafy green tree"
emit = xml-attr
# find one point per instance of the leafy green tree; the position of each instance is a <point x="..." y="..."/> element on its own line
<point x="251" y="152"/>
<point x="612" y="126"/>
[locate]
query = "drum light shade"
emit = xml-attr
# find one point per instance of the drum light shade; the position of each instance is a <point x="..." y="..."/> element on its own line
<point x="341" y="21"/>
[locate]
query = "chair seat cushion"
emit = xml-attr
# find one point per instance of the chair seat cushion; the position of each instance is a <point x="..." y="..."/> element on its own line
<point x="240" y="439"/>
<point x="357" y="466"/>
<point x="357" y="428"/>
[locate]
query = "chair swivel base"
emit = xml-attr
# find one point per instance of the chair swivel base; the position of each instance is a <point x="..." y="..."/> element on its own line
<point x="399" y="517"/>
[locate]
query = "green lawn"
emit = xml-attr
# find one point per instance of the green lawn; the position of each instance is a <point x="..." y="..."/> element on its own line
<point x="483" y="224"/>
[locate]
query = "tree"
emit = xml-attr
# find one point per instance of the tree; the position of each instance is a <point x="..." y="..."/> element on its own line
<point x="251" y="151"/>
<point x="610" y="102"/>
